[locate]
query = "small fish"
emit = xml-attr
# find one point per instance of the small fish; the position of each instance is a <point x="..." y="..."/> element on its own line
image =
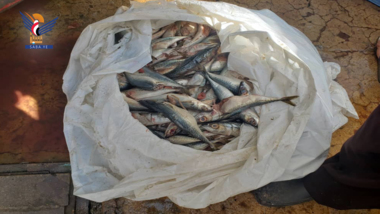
<point x="158" y="52"/>
<point x="182" y="118"/>
<point x="155" y="30"/>
<point x="189" y="29"/>
<point x="133" y="104"/>
<point x="237" y="104"/>
<point x="148" y="119"/>
<point x="158" y="133"/>
<point x="197" y="145"/>
<point x="220" y="91"/>
<point x="164" y="43"/>
<point x="122" y="81"/>
<point x="220" y="62"/>
<point x="208" y="58"/>
<point x="188" y="102"/>
<point x="171" y="31"/>
<point x="243" y="88"/>
<point x="202" y="32"/>
<point x="172" y="129"/>
<point x="223" y="128"/>
<point x="163" y="79"/>
<point x="168" y="65"/>
<point x="182" y="139"/>
<point x="159" y="127"/>
<point x="194" y="49"/>
<point x="144" y="82"/>
<point x="250" y="116"/>
<point x="158" y="34"/>
<point x="138" y="94"/>
<point x="209" y="102"/>
<point x="224" y="71"/>
<point x="212" y="39"/>
<point x="190" y="63"/>
<point x="232" y="84"/>
<point x="214" y="115"/>
<point x="197" y="79"/>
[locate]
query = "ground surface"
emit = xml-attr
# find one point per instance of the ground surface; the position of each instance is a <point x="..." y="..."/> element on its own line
<point x="33" y="103"/>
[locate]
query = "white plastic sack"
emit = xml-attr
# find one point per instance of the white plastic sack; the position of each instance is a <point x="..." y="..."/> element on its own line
<point x="113" y="155"/>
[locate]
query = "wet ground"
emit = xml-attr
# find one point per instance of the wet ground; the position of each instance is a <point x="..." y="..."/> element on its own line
<point x="32" y="104"/>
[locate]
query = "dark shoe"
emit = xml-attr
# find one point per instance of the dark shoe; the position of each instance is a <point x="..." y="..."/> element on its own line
<point x="283" y="193"/>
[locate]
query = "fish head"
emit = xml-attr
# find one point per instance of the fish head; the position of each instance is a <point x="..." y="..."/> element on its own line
<point x="203" y="117"/>
<point x="252" y="119"/>
<point x="243" y="88"/>
<point x="205" y="107"/>
<point x="171" y="130"/>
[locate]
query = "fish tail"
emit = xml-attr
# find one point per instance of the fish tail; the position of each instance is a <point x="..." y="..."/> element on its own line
<point x="288" y="100"/>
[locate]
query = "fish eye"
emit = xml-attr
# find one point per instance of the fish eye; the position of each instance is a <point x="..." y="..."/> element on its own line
<point x="214" y="126"/>
<point x="203" y="119"/>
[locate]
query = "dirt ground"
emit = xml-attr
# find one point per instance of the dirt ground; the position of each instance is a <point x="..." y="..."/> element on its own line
<point x="31" y="115"/>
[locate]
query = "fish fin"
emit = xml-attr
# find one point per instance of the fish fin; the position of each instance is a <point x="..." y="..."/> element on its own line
<point x="174" y="98"/>
<point x="171" y="99"/>
<point x="288" y="100"/>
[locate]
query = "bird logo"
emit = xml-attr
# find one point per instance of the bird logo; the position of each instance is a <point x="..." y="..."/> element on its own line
<point x="33" y="24"/>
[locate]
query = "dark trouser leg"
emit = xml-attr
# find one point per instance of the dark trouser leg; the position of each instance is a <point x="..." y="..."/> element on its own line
<point x="351" y="179"/>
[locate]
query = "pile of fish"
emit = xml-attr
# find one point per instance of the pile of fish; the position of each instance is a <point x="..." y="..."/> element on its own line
<point x="187" y="95"/>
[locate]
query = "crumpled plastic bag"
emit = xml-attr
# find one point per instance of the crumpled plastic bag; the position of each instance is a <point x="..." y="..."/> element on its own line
<point x="113" y="155"/>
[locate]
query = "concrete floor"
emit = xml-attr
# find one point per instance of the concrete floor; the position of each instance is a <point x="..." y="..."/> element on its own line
<point x="33" y="102"/>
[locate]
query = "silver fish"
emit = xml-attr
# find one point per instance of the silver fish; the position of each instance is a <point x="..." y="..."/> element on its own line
<point x="236" y="104"/>
<point x="250" y="116"/>
<point x="209" y="102"/>
<point x="148" y="119"/>
<point x="197" y="145"/>
<point x="188" y="102"/>
<point x="232" y="84"/>
<point x="167" y="66"/>
<point x="194" y="49"/>
<point x="164" y="43"/>
<point x="243" y="88"/>
<point x="158" y="133"/>
<point x="163" y="79"/>
<point x="122" y="81"/>
<point x="182" y="118"/>
<point x="159" y="127"/>
<point x="220" y="62"/>
<point x="214" y="115"/>
<point x="191" y="62"/>
<point x="202" y="32"/>
<point x="158" y="34"/>
<point x="138" y="94"/>
<point x="223" y="128"/>
<point x="197" y="79"/>
<point x="212" y="39"/>
<point x="172" y="129"/>
<point x="143" y="81"/>
<point x="182" y="139"/>
<point x="220" y="91"/>
<point x="133" y="104"/>
<point x="158" y="52"/>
